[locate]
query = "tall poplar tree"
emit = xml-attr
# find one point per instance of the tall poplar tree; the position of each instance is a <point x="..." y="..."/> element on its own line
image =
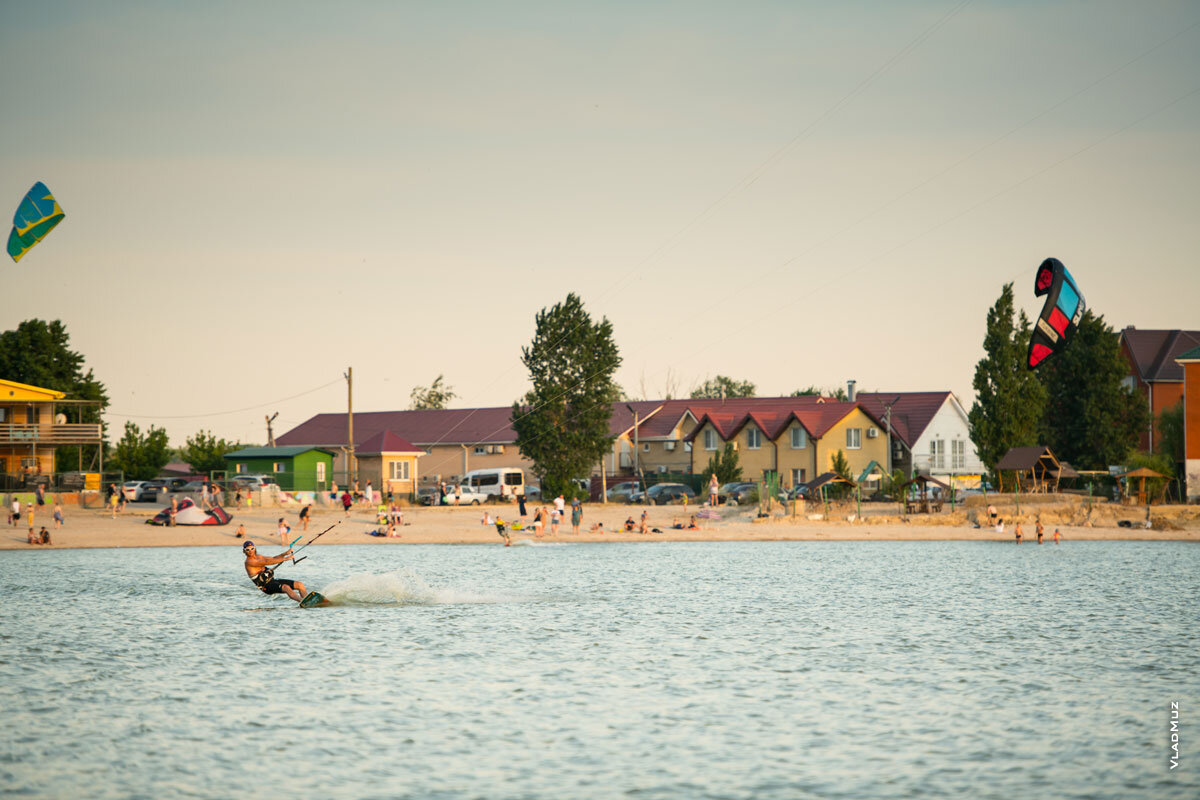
<point x="1009" y="398"/>
<point x="562" y="423"/>
<point x="1091" y="419"/>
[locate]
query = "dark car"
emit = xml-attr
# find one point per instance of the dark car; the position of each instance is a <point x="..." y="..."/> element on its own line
<point x="150" y="491"/>
<point x="740" y="492"/>
<point x="661" y="494"/>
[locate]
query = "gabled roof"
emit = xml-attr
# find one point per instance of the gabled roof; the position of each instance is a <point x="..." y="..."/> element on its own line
<point x="773" y="416"/>
<point x="276" y="452"/>
<point x="387" y="442"/>
<point x="911" y="411"/>
<point x="1154" y="352"/>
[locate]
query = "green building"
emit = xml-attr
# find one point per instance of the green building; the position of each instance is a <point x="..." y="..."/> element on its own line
<point x="302" y="468"/>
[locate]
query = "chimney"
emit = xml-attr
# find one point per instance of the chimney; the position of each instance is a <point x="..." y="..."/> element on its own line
<point x="850" y="390"/>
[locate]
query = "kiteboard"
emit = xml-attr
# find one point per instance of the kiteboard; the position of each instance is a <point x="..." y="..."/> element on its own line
<point x="314" y="600"/>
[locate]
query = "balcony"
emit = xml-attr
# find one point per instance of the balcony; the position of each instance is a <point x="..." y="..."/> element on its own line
<point x="50" y="435"/>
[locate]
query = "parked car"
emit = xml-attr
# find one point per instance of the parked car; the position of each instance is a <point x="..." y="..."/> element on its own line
<point x="150" y="491"/>
<point x="661" y="494"/>
<point x="426" y="495"/>
<point x="466" y="496"/>
<point x="176" y="484"/>
<point x="740" y="492"/>
<point x="130" y="490"/>
<point x="253" y="481"/>
<point x="621" y="492"/>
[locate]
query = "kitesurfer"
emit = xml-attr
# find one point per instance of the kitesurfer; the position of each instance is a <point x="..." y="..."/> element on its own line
<point x="258" y="568"/>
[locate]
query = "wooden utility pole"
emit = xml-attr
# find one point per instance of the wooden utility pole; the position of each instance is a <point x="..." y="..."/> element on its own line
<point x="350" y="464"/>
<point x="271" y="433"/>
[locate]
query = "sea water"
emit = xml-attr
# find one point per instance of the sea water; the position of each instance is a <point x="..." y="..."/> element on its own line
<point x="646" y="670"/>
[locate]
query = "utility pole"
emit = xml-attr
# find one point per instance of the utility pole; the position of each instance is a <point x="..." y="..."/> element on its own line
<point x="351" y="466"/>
<point x="271" y="433"/>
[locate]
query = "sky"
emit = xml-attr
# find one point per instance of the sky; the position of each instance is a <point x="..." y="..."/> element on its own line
<point x="261" y="195"/>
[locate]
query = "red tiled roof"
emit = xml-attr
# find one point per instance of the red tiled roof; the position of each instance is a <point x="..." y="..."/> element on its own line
<point x="773" y="415"/>
<point x="387" y="442"/>
<point x="911" y="411"/>
<point x="1154" y="352"/>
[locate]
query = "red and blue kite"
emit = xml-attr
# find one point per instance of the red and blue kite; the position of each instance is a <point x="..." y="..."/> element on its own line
<point x="1063" y="309"/>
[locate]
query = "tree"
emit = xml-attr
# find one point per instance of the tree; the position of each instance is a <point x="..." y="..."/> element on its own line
<point x="206" y="453"/>
<point x="435" y="395"/>
<point x="1090" y="419"/>
<point x="724" y="464"/>
<point x="141" y="457"/>
<point x="562" y="423"/>
<point x="1170" y="430"/>
<point x="838" y="393"/>
<point x="1008" y="396"/>
<point x="38" y="353"/>
<point x="722" y="387"/>
<point x="840" y="465"/>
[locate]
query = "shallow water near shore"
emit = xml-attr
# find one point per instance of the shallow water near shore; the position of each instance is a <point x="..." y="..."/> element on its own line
<point x="664" y="670"/>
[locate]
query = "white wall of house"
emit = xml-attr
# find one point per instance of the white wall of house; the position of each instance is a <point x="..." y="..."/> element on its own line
<point x="955" y="453"/>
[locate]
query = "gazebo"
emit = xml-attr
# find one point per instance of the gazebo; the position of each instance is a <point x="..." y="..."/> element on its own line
<point x="1036" y="465"/>
<point x="1141" y="473"/>
<point x="922" y="504"/>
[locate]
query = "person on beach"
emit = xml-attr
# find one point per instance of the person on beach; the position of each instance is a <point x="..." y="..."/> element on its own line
<point x="285" y="531"/>
<point x="304" y="512"/>
<point x="1019" y="533"/>
<point x="264" y="578"/>
<point x="1039" y="533"/>
<point x="713" y="489"/>
<point x="40" y="495"/>
<point x="347" y="501"/>
<point x="174" y="510"/>
<point x="642" y="525"/>
<point x="521" y="505"/>
<point x="33" y="538"/>
<point x="237" y="499"/>
<point x="369" y="494"/>
<point x="44" y="535"/>
<point x="1057" y="535"/>
<point x="555" y="518"/>
<point x="992" y="515"/>
<point x="560" y="506"/>
<point x="14" y="512"/>
<point x="630" y="525"/>
<point x="240" y="533"/>
<point x="576" y="515"/>
<point x="395" y="514"/>
<point x="58" y="515"/>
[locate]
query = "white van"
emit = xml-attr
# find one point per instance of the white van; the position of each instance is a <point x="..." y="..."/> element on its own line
<point x="503" y="481"/>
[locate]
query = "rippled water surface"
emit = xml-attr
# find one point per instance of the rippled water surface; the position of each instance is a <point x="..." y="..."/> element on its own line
<point x="681" y="670"/>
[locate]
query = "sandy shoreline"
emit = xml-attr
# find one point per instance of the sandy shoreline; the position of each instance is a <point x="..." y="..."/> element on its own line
<point x="86" y="528"/>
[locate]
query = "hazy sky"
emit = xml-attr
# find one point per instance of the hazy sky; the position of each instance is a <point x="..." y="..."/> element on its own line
<point x="259" y="195"/>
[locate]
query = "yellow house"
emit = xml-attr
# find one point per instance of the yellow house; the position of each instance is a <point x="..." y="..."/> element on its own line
<point x="796" y="439"/>
<point x="389" y="461"/>
<point x="32" y="428"/>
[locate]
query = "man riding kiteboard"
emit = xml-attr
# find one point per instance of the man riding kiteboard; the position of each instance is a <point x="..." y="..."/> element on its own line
<point x="257" y="567"/>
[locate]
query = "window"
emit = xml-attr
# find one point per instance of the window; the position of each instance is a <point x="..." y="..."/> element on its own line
<point x="241" y="468"/>
<point x="853" y="438"/>
<point x="710" y="440"/>
<point x="799" y="438"/>
<point x="937" y="454"/>
<point x="278" y="466"/>
<point x="958" y="454"/>
<point x="687" y="447"/>
<point x="799" y="476"/>
<point x="487" y="480"/>
<point x="753" y="438"/>
<point x="480" y="450"/>
<point x="669" y="446"/>
<point x="646" y="448"/>
<point x="320" y="472"/>
<point x="512" y="479"/>
<point x="398" y="470"/>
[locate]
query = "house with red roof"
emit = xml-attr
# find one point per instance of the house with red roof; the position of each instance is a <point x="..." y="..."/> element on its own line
<point x="1155" y="372"/>
<point x="389" y="461"/>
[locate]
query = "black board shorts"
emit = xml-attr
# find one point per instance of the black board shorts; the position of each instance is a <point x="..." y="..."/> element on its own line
<point x="276" y="586"/>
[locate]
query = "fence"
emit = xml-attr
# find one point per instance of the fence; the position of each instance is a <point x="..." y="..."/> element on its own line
<point x="59" y="482"/>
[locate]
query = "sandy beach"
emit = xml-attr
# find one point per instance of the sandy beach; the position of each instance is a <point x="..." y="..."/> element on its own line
<point x="97" y="528"/>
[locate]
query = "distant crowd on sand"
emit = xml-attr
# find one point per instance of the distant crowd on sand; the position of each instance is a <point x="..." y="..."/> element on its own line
<point x="31" y="511"/>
